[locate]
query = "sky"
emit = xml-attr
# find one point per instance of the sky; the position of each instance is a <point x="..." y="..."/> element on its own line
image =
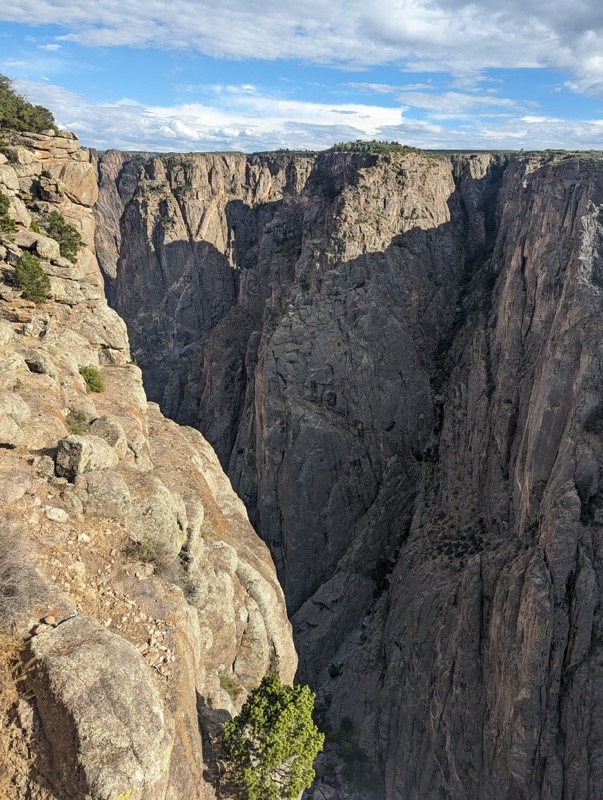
<point x="250" y="76"/>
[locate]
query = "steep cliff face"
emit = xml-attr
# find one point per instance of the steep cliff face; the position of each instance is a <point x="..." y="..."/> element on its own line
<point x="127" y="563"/>
<point x="398" y="361"/>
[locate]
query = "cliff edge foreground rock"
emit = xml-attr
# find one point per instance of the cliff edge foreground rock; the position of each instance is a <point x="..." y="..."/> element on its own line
<point x="398" y="359"/>
<point x="128" y="568"/>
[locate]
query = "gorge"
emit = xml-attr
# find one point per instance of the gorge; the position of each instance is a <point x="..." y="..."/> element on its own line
<point x="396" y="356"/>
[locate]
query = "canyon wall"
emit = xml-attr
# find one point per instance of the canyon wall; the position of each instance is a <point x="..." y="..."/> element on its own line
<point x="130" y="575"/>
<point x="397" y="359"/>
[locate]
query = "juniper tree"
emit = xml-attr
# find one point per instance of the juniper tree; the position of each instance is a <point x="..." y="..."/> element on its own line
<point x="273" y="742"/>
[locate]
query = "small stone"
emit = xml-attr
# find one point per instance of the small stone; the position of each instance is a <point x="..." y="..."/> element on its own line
<point x="83" y="537"/>
<point x="49" y="620"/>
<point x="107" y="622"/>
<point x="56" y="514"/>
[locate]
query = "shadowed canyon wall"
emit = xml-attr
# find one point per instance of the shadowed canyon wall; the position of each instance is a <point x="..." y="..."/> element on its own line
<point x="398" y="361"/>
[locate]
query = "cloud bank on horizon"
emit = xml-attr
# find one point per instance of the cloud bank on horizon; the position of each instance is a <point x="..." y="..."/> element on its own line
<point x="246" y="75"/>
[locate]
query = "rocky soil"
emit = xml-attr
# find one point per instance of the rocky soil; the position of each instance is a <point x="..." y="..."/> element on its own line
<point x="398" y="361"/>
<point x="128" y="568"/>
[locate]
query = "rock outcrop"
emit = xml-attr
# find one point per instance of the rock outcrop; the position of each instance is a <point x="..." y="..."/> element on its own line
<point x="398" y="361"/>
<point x="127" y="562"/>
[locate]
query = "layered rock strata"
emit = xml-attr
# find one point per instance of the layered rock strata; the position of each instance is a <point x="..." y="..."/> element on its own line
<point x="127" y="563"/>
<point x="398" y="361"/>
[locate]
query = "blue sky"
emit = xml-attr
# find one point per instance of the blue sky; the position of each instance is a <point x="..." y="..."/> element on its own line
<point x="249" y="75"/>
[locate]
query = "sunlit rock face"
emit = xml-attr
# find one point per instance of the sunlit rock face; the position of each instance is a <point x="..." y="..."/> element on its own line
<point x="398" y="361"/>
<point x="129" y="570"/>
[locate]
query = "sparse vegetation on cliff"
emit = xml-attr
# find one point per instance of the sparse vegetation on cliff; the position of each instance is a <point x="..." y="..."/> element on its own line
<point x="7" y="223"/>
<point x="31" y="278"/>
<point x="78" y="422"/>
<point x="93" y="379"/>
<point x="231" y="686"/>
<point x="18" y="114"/>
<point x="65" y="234"/>
<point x="273" y="742"/>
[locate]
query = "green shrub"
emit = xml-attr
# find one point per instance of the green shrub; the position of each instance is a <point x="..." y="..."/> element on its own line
<point x="273" y="742"/>
<point x="7" y="223"/>
<point x="33" y="226"/>
<point x="93" y="378"/>
<point x="31" y="278"/>
<point x="18" y="114"/>
<point x="65" y="234"/>
<point x="78" y="422"/>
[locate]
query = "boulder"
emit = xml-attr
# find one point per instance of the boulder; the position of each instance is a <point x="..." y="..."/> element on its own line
<point x="104" y="493"/>
<point x="43" y="246"/>
<point x="79" y="454"/>
<point x="157" y="520"/>
<point x="109" y="731"/>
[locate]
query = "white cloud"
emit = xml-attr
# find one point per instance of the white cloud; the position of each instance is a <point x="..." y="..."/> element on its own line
<point x="441" y="35"/>
<point x="237" y="119"/>
<point x="50" y="47"/>
<point x="234" y="118"/>
<point x="377" y="88"/>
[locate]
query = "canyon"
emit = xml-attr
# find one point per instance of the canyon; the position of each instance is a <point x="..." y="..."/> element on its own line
<point x="396" y="357"/>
